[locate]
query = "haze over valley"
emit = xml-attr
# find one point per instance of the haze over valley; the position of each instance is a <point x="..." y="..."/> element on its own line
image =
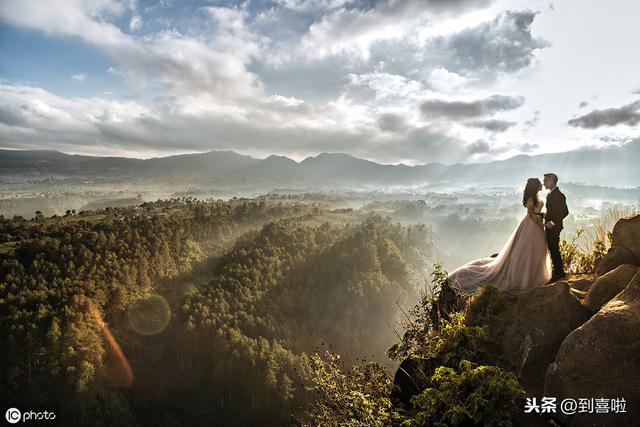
<point x="246" y="213"/>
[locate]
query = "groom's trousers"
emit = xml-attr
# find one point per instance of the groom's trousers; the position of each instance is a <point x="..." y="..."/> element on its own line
<point x="553" y="241"/>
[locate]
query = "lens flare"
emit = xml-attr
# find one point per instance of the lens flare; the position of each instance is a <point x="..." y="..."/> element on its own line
<point x="149" y="315"/>
<point x="116" y="361"/>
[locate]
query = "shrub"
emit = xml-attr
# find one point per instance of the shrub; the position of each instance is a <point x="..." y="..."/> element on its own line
<point x="358" y="396"/>
<point x="447" y="334"/>
<point x="577" y="260"/>
<point x="469" y="395"/>
<point x="424" y="319"/>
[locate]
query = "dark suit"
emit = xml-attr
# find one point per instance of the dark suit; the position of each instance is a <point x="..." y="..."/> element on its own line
<point x="556" y="211"/>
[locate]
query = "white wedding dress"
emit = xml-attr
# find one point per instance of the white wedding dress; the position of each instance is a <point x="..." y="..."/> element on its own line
<point x="523" y="262"/>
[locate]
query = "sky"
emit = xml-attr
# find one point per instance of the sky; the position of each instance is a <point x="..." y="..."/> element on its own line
<point x="394" y="81"/>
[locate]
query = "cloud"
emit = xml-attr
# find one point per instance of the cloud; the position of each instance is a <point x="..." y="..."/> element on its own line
<point x="86" y="20"/>
<point x="353" y="30"/>
<point x="48" y="117"/>
<point x="381" y="87"/>
<point x="503" y="45"/>
<point x="443" y="80"/>
<point x="413" y="71"/>
<point x="628" y="114"/>
<point x="79" y="77"/>
<point x="528" y="147"/>
<point x="482" y="149"/>
<point x="390" y="122"/>
<point x="281" y="126"/>
<point x="478" y="147"/>
<point x="447" y="63"/>
<point x="213" y="62"/>
<point x="36" y="115"/>
<point x="284" y="77"/>
<point x="135" y="23"/>
<point x="621" y="140"/>
<point x="533" y="121"/>
<point x="114" y="71"/>
<point x="492" y="125"/>
<point x="468" y="109"/>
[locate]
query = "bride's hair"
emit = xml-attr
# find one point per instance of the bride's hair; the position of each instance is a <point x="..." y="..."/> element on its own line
<point x="531" y="190"/>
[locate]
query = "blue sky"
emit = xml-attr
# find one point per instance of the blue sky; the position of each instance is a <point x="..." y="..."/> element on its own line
<point x="49" y="62"/>
<point x="392" y="81"/>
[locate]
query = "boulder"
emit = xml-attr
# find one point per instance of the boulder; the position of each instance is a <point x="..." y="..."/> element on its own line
<point x="581" y="284"/>
<point x="544" y="316"/>
<point x="626" y="233"/>
<point x="601" y="359"/>
<point x="609" y="285"/>
<point x="615" y="257"/>
<point x="578" y="294"/>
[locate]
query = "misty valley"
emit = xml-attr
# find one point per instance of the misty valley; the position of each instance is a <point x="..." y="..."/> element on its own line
<point x="214" y="306"/>
<point x="320" y="213"/>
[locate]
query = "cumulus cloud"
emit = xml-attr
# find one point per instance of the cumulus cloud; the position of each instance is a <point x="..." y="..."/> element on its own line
<point x="353" y="30"/>
<point x="443" y="80"/>
<point x="471" y="56"/>
<point x="36" y="115"/>
<point x="50" y="117"/>
<point x="282" y="126"/>
<point x="79" y="77"/>
<point x="628" y="114"/>
<point x="504" y="44"/>
<point x="87" y="20"/>
<point x="214" y="62"/>
<point x="285" y="77"/>
<point x="381" y="87"/>
<point x="455" y="109"/>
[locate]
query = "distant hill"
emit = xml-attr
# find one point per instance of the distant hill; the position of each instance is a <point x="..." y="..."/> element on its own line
<point x="612" y="166"/>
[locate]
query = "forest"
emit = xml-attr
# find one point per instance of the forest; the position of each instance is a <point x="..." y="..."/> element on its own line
<point x="200" y="312"/>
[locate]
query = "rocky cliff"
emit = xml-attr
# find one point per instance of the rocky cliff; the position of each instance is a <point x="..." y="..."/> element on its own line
<point x="576" y="339"/>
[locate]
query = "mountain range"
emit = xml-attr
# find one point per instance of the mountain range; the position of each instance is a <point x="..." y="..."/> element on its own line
<point x="612" y="166"/>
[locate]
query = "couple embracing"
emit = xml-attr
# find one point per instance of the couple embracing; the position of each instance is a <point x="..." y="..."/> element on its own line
<point x="526" y="258"/>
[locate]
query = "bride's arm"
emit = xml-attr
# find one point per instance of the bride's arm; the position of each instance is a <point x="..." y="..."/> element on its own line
<point x="532" y="213"/>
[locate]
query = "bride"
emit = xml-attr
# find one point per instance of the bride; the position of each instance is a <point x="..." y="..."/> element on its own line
<point x="522" y="263"/>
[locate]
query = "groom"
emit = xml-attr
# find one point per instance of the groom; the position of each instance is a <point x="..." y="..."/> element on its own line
<point x="556" y="211"/>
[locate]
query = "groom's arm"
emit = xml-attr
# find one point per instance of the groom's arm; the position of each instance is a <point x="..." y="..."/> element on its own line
<point x="565" y="209"/>
<point x="548" y="216"/>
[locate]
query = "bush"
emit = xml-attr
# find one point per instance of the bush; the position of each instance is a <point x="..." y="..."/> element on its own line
<point x="469" y="395"/>
<point x="423" y="320"/>
<point x="358" y="396"/>
<point x="466" y="388"/>
<point x="577" y="260"/>
<point x="447" y="335"/>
